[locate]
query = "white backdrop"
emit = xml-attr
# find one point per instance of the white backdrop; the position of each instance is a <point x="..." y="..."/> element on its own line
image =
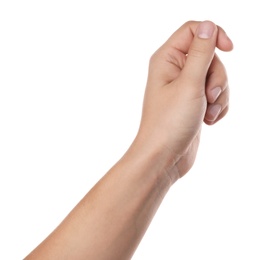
<point x="72" y="78"/>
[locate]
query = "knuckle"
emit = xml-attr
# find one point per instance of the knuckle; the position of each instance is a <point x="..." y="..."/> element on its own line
<point x="197" y="52"/>
<point x="190" y="23"/>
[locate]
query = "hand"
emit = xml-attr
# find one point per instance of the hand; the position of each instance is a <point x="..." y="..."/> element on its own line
<point x="187" y="84"/>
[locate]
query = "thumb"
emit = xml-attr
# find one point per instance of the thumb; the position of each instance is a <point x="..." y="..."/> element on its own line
<point x="200" y="53"/>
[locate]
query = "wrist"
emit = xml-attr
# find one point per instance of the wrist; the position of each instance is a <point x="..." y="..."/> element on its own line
<point x="159" y="159"/>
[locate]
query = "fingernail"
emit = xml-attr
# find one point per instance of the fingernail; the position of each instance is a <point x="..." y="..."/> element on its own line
<point x="215" y="92"/>
<point x="213" y="112"/>
<point x="205" y="30"/>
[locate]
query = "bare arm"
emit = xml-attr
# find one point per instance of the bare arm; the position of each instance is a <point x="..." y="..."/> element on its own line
<point x="111" y="219"/>
<point x="181" y="93"/>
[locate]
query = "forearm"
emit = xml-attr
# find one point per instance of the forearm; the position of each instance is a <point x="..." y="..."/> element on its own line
<point x="111" y="219"/>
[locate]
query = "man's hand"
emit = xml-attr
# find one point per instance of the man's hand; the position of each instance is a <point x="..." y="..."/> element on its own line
<point x="187" y="84"/>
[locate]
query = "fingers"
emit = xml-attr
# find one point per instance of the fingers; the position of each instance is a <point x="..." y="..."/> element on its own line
<point x="217" y="80"/>
<point x="182" y="38"/>
<point x="188" y="43"/>
<point x="218" y="109"/>
<point x="217" y="92"/>
<point x="198" y="41"/>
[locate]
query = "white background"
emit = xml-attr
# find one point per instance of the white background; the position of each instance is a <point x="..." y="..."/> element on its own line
<point x="72" y="80"/>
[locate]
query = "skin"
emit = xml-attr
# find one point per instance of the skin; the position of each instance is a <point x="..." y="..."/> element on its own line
<point x="186" y="86"/>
